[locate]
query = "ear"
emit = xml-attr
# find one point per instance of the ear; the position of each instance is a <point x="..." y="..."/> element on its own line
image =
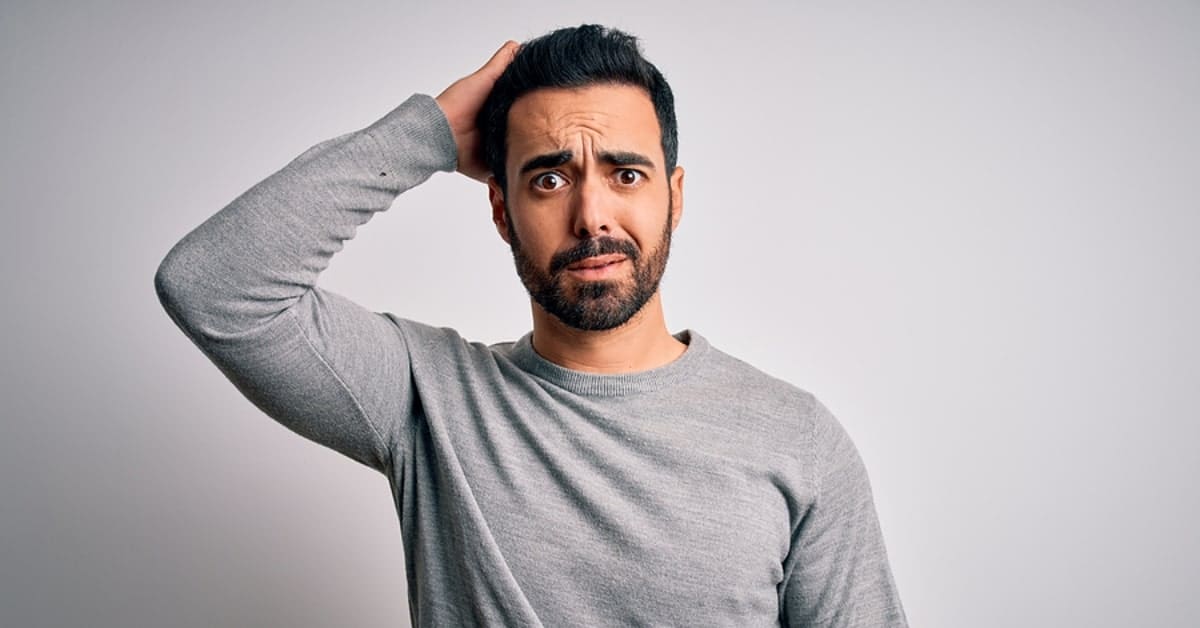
<point x="499" y="217"/>
<point x="676" y="184"/>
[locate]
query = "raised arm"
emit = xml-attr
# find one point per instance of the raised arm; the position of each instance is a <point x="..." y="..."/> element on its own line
<point x="242" y="285"/>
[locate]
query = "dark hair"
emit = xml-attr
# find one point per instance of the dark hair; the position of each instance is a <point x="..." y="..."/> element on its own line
<point x="574" y="57"/>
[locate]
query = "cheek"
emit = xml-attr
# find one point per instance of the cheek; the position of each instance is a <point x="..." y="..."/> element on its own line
<point x="536" y="236"/>
<point x="652" y="220"/>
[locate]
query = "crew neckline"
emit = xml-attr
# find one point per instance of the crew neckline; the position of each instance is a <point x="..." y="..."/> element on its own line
<point x="616" y="384"/>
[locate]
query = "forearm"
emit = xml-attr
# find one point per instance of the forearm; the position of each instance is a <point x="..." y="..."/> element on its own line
<point x="257" y="256"/>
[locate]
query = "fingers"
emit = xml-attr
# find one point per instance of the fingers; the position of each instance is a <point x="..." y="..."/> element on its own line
<point x="500" y="60"/>
<point x="461" y="102"/>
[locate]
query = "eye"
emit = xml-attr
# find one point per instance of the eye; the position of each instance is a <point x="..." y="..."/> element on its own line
<point x="626" y="176"/>
<point x="549" y="181"/>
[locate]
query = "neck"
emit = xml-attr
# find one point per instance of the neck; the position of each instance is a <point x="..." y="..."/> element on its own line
<point x="642" y="343"/>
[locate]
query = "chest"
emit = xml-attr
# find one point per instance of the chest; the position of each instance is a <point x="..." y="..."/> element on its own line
<point x="589" y="509"/>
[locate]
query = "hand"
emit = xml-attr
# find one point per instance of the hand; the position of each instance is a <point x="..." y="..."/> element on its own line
<point x="462" y="101"/>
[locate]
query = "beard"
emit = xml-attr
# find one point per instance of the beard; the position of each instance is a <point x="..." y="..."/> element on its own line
<point x="593" y="305"/>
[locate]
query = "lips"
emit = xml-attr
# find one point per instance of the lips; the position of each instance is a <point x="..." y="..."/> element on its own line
<point x="600" y="261"/>
<point x="595" y="253"/>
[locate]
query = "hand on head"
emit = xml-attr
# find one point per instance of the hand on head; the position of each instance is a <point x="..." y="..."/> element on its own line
<point x="462" y="101"/>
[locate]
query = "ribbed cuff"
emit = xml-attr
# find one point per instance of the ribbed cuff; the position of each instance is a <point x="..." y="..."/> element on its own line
<point x="417" y="122"/>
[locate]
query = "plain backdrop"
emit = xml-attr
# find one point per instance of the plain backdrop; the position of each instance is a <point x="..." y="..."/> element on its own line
<point x="969" y="228"/>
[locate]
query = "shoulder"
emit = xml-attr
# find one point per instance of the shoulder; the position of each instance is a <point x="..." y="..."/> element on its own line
<point x="445" y="348"/>
<point x="442" y="360"/>
<point x="781" y="411"/>
<point x="758" y="389"/>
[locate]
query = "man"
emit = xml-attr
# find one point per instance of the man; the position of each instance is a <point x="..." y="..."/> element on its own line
<point x="599" y="471"/>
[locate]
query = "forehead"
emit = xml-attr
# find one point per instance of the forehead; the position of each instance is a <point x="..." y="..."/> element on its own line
<point x="584" y="119"/>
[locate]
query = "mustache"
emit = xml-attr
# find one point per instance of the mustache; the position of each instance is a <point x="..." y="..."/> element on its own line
<point x="603" y="245"/>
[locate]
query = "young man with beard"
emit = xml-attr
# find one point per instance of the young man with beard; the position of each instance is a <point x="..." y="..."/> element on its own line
<point x="599" y="471"/>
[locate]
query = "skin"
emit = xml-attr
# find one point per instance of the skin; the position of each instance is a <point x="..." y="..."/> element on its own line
<point x="613" y="183"/>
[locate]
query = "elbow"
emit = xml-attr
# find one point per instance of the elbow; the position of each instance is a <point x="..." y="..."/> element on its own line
<point x="167" y="280"/>
<point x="207" y="299"/>
<point x="178" y="286"/>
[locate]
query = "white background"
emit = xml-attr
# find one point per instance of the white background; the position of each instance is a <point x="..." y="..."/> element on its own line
<point x="969" y="228"/>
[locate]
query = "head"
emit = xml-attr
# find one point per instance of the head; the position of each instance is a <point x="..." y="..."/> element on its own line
<point x="580" y="135"/>
<point x="569" y="58"/>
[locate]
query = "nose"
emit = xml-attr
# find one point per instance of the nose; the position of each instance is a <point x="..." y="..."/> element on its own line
<point x="592" y="211"/>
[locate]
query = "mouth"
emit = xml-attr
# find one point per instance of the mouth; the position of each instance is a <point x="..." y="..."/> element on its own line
<point x="599" y="261"/>
<point x="598" y="267"/>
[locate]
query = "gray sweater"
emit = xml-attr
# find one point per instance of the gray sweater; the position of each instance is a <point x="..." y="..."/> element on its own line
<point x="701" y="493"/>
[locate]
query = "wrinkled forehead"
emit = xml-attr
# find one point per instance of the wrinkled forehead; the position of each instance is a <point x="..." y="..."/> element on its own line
<point x="584" y="120"/>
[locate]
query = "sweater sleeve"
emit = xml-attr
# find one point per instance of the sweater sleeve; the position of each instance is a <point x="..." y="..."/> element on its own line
<point x="837" y="572"/>
<point x="242" y="286"/>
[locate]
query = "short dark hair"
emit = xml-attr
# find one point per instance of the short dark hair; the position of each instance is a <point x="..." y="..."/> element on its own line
<point x="574" y="57"/>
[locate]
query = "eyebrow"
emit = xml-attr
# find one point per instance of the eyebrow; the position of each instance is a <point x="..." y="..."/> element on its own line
<point x="549" y="160"/>
<point x="626" y="158"/>
<point x="613" y="158"/>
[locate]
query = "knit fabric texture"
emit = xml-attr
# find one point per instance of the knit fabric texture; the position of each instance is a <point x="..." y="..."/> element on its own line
<point x="700" y="493"/>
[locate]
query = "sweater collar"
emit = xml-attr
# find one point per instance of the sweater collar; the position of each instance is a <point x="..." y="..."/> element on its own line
<point x="612" y="385"/>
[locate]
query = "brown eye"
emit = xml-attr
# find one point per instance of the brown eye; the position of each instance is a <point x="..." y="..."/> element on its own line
<point x="548" y="181"/>
<point x="629" y="177"/>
